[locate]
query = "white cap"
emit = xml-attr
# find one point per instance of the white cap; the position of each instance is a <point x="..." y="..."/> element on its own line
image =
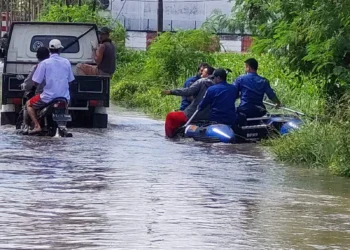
<point x="55" y="44"/>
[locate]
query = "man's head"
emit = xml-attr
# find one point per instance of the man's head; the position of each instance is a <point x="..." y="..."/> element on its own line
<point x="219" y="75"/>
<point x="103" y="33"/>
<point x="42" y="53"/>
<point x="201" y="67"/>
<point x="55" y="46"/>
<point x="207" y="71"/>
<point x="251" y="65"/>
<point x="6" y="35"/>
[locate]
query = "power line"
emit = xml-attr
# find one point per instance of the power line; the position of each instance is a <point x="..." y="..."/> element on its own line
<point x="121" y="9"/>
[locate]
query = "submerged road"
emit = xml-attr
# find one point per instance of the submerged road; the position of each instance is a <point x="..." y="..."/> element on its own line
<point x="127" y="187"/>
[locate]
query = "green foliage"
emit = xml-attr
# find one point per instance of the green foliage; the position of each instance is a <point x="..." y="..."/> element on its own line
<point x="146" y="72"/>
<point x="173" y="54"/>
<point x="84" y="14"/>
<point x="311" y="36"/>
<point x="319" y="144"/>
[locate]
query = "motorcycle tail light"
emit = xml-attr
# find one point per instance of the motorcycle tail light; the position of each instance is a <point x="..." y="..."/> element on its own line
<point x="60" y="105"/>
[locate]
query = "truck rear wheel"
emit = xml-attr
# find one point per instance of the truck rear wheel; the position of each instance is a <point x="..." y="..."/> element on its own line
<point x="99" y="120"/>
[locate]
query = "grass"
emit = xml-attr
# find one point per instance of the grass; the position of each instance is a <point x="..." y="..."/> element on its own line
<point x="322" y="143"/>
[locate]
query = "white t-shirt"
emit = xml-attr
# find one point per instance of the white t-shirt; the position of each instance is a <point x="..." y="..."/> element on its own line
<point x="57" y="72"/>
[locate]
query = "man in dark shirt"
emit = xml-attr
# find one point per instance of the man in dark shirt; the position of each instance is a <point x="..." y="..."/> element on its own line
<point x="104" y="56"/>
<point x="178" y="118"/>
<point x="221" y="98"/>
<point x="252" y="88"/>
<point x="186" y="100"/>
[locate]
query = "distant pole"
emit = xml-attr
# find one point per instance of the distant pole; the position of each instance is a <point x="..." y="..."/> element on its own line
<point x="94" y="6"/>
<point x="160" y="16"/>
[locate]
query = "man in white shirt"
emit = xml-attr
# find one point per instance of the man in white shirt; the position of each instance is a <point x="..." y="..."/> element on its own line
<point x="57" y="73"/>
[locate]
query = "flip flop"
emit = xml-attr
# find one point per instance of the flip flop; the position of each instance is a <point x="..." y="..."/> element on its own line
<point x="35" y="131"/>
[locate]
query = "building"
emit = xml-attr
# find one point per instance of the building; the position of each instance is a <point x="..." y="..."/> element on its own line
<point x="139" y="17"/>
<point x="177" y="14"/>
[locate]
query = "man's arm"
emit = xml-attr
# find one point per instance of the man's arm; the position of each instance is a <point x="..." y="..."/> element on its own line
<point x="28" y="82"/>
<point x="271" y="94"/>
<point x="71" y="77"/>
<point x="39" y="74"/>
<point x="237" y="84"/>
<point x="190" y="91"/>
<point x="98" y="53"/>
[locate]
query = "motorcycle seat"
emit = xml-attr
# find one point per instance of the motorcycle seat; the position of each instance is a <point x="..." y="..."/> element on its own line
<point x="58" y="99"/>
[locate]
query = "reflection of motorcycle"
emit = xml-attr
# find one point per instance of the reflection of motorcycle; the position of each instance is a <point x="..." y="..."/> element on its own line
<point x="53" y="117"/>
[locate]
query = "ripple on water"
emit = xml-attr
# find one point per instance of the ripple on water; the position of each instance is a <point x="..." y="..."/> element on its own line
<point x="126" y="187"/>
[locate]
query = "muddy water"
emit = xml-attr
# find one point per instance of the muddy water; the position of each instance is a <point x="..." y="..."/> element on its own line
<point x="126" y="187"/>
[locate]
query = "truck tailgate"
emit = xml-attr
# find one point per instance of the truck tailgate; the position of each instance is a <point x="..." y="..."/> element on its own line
<point x="83" y="89"/>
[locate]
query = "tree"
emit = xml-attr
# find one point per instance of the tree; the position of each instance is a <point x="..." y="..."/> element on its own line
<point x="306" y="35"/>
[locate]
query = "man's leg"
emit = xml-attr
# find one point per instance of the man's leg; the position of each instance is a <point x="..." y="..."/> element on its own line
<point x="34" y="104"/>
<point x="86" y="69"/>
<point x="173" y="121"/>
<point x="32" y="114"/>
<point x="26" y="120"/>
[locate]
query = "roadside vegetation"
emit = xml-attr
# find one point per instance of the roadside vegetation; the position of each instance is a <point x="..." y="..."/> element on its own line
<point x="302" y="48"/>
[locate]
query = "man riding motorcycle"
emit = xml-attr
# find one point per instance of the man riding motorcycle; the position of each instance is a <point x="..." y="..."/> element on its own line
<point x="57" y="73"/>
<point x="28" y="84"/>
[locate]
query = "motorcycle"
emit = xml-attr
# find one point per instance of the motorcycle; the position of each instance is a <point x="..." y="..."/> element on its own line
<point x="53" y="118"/>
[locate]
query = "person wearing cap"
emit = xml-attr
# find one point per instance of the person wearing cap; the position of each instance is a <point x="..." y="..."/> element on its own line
<point x="252" y="89"/>
<point x="57" y="73"/>
<point x="104" y="56"/>
<point x="176" y="119"/>
<point x="185" y="100"/>
<point x="221" y="98"/>
<point x="42" y="54"/>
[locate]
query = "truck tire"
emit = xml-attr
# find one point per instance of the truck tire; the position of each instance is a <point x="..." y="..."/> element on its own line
<point x="100" y="120"/>
<point x="8" y="118"/>
<point x="100" y="117"/>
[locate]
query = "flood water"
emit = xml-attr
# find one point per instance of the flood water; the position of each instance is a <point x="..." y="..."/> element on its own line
<point x="127" y="187"/>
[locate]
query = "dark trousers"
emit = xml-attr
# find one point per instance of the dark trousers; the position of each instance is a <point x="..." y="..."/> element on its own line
<point x="252" y="112"/>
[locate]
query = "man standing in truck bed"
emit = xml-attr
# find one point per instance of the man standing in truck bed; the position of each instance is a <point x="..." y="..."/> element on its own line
<point x="104" y="56"/>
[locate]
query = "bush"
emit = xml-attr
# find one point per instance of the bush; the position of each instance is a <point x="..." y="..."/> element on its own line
<point x="84" y="14"/>
<point x="173" y="57"/>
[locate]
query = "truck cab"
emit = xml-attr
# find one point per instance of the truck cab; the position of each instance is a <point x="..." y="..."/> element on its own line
<point x="89" y="94"/>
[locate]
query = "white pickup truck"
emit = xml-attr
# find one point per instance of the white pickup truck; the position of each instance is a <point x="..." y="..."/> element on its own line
<point x="89" y="94"/>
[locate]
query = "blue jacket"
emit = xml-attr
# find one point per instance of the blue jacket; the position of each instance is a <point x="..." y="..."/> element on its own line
<point x="252" y="88"/>
<point x="221" y="97"/>
<point x="185" y="102"/>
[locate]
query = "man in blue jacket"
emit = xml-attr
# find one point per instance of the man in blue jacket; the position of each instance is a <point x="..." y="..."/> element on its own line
<point x="221" y="97"/>
<point x="252" y="88"/>
<point x="185" y="100"/>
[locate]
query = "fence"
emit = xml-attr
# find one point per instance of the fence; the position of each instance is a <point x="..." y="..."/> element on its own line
<point x="168" y="25"/>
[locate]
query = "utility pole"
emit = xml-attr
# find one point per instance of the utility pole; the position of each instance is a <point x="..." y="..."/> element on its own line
<point x="160" y="16"/>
